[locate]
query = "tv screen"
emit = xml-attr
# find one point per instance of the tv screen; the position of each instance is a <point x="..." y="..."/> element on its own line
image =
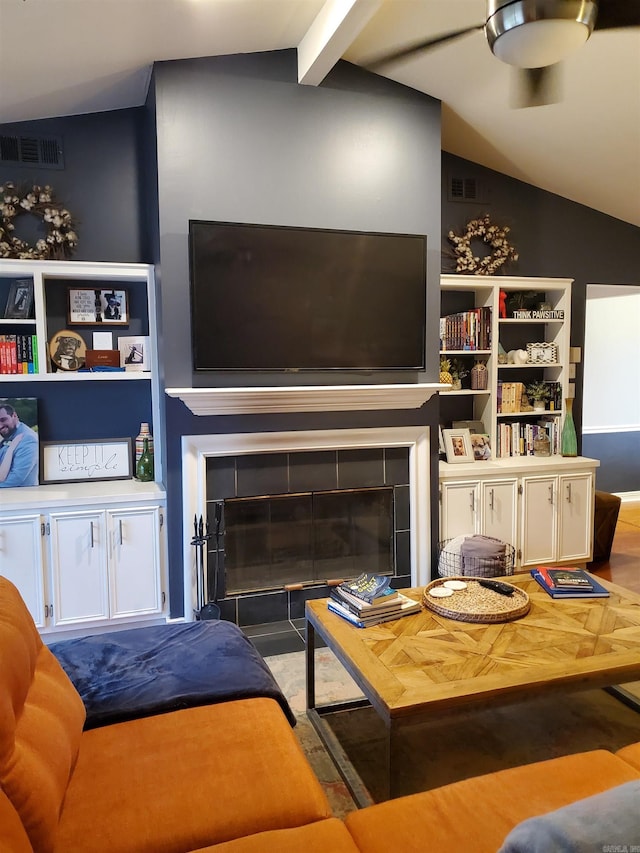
<point x="293" y="299"/>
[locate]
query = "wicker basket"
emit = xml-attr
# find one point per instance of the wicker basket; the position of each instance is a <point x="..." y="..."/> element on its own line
<point x="453" y="564"/>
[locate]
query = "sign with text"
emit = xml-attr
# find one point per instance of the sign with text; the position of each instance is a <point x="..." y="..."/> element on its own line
<point x="65" y="461"/>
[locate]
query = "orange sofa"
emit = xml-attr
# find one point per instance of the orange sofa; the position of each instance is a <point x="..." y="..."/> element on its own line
<point x="227" y="778"/>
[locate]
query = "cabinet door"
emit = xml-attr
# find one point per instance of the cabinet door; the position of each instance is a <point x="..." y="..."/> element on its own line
<point x="499" y="510"/>
<point x="539" y="520"/>
<point x="135" y="564"/>
<point x="79" y="567"/>
<point x="575" y="530"/>
<point x="460" y="509"/>
<point x="22" y="560"/>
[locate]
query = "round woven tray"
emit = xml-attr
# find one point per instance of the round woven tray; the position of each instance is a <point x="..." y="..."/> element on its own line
<point x="477" y="604"/>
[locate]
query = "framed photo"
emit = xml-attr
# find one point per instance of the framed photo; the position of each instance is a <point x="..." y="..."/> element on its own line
<point x="457" y="443"/>
<point x="542" y="353"/>
<point x="67" y="350"/>
<point x="88" y="307"/>
<point x="81" y="461"/>
<point x="19" y="442"/>
<point x="134" y="352"/>
<point x="19" y="300"/>
<point x="481" y="444"/>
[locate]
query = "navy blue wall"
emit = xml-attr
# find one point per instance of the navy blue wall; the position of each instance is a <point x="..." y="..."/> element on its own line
<point x="557" y="237"/>
<point x="239" y="139"/>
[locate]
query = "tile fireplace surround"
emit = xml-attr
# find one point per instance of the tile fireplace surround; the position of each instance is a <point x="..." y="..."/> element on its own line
<point x="197" y="453"/>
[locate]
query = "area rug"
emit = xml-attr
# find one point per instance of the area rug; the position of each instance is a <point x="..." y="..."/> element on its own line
<point x="447" y="750"/>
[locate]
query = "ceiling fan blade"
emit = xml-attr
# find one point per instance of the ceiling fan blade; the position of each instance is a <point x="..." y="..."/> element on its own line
<point x="418" y="47"/>
<point x="614" y="14"/>
<point x="536" y="87"/>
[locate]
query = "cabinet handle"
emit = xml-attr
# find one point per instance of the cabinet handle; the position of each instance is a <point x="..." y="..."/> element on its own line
<point x="491" y="493"/>
<point x="472" y="502"/>
<point x="568" y="493"/>
<point x="46" y="611"/>
<point x="91" y="528"/>
<point x="120" y="529"/>
<point x="551" y="493"/>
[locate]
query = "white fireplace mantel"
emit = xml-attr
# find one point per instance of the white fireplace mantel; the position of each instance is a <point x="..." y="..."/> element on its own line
<point x="305" y="398"/>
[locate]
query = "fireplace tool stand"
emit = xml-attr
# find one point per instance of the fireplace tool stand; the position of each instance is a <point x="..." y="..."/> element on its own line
<point x="207" y="607"/>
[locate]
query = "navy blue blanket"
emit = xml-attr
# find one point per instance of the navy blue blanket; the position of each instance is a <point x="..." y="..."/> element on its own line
<point x="143" y="671"/>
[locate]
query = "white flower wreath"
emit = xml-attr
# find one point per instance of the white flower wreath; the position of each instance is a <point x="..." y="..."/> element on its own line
<point x="493" y="236"/>
<point x="60" y="240"/>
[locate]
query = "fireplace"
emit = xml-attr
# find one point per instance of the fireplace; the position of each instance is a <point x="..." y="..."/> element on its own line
<point x="301" y="509"/>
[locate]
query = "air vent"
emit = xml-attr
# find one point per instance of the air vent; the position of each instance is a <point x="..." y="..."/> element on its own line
<point x="466" y="189"/>
<point x="32" y="151"/>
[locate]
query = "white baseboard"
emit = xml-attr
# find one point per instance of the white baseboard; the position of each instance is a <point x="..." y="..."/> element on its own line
<point x="629" y="497"/>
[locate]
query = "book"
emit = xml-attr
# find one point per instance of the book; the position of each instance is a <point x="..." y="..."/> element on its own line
<point x="382" y="603"/>
<point x="408" y="607"/>
<point x="369" y="587"/>
<point x="569" y="578"/>
<point x="597" y="591"/>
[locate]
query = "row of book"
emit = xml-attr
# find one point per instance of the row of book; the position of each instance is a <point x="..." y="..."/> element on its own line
<point x="370" y="600"/>
<point x="526" y="439"/>
<point x="466" y="330"/>
<point x="18" y="354"/>
<point x="510" y="395"/>
<point x="568" y="583"/>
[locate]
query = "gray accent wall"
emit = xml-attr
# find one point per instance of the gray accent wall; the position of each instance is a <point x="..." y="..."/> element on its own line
<point x="238" y="139"/>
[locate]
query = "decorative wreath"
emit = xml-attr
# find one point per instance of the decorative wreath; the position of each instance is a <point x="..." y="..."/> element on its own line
<point x="495" y="237"/>
<point x="60" y="240"/>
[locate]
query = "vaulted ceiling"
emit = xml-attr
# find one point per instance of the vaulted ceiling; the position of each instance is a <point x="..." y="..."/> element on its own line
<point x="65" y="57"/>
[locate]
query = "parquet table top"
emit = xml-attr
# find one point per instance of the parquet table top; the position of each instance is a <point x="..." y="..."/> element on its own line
<point x="428" y="663"/>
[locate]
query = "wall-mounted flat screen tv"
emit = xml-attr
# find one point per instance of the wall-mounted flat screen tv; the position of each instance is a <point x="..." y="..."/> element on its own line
<point x="271" y="298"/>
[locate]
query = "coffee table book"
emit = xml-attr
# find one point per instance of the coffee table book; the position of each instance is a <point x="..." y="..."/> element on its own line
<point x="369" y="587"/>
<point x="407" y="607"/>
<point x="357" y="605"/>
<point x="566" y="577"/>
<point x="596" y="590"/>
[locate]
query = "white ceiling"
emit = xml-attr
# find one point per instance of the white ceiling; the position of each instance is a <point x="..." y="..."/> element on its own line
<point x="65" y="57"/>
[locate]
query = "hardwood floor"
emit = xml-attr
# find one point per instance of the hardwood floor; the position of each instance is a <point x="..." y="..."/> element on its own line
<point x="623" y="566"/>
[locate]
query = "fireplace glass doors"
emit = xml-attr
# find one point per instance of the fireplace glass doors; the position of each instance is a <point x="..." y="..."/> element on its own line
<point x="307" y="537"/>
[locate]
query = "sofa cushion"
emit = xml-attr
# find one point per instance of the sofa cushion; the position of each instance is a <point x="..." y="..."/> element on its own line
<point x="41" y="719"/>
<point x="188" y="779"/>
<point x="484" y="808"/>
<point x="13" y="838"/>
<point x="610" y="819"/>
<point x="630" y="754"/>
<point x="323" y="836"/>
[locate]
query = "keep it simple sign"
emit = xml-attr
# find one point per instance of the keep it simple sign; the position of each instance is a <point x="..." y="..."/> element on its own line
<point x="108" y="459"/>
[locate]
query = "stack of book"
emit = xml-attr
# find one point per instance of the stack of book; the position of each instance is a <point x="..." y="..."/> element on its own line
<point x="568" y="583"/>
<point x="369" y="600"/>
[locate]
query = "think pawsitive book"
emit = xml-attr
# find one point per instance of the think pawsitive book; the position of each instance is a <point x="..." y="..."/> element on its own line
<point x="369" y="587"/>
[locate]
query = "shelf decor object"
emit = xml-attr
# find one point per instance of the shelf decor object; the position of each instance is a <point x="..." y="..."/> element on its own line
<point x="542" y="353"/>
<point x="19" y="300"/>
<point x="568" y="439"/>
<point x="67" y="350"/>
<point x="61" y="239"/>
<point x="493" y="236"/>
<point x="104" y="459"/>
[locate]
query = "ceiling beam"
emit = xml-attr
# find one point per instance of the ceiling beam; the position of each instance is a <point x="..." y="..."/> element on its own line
<point x="335" y="27"/>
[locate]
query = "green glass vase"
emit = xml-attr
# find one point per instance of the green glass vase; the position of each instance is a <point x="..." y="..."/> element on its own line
<point x="568" y="440"/>
<point x="144" y="468"/>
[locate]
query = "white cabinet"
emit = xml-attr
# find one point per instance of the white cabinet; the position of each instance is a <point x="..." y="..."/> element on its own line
<point x="22" y="559"/>
<point x="91" y="563"/>
<point x="135" y="565"/>
<point x="544" y="507"/>
<point x="557" y="519"/>
<point x="499" y="509"/>
<point x="475" y="506"/>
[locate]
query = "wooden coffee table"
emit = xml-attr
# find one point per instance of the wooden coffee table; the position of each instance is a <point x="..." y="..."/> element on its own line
<point x="425" y="665"/>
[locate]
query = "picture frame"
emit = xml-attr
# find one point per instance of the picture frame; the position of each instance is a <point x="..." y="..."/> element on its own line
<point x="481" y="444"/>
<point x="457" y="443"/>
<point x="20" y="414"/>
<point x="85" y="461"/>
<point x="542" y="353"/>
<point x="67" y="350"/>
<point x="90" y="306"/>
<point x="134" y="352"/>
<point x="20" y="300"/>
